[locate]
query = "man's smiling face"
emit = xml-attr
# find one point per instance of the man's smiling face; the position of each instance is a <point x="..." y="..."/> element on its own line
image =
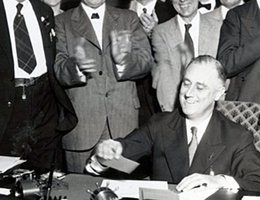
<point x="200" y="87"/>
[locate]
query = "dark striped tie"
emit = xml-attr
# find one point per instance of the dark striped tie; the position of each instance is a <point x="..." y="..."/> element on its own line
<point x="188" y="40"/>
<point x="25" y="55"/>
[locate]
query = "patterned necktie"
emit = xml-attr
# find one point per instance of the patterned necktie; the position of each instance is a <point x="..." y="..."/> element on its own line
<point x="188" y="40"/>
<point x="193" y="144"/>
<point x="94" y="16"/>
<point x="25" y="55"/>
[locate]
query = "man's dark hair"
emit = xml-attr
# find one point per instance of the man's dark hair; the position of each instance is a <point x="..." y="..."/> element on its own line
<point x="207" y="59"/>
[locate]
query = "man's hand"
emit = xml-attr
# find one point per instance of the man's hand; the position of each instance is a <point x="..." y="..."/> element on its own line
<point x="186" y="55"/>
<point x="121" y="45"/>
<point x="149" y="21"/>
<point x="197" y="180"/>
<point x="109" y="149"/>
<point x="85" y="63"/>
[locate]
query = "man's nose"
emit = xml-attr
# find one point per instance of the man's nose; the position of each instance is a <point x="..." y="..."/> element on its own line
<point x="190" y="91"/>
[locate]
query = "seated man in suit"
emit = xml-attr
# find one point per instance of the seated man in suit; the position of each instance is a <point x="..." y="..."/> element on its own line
<point x="195" y="145"/>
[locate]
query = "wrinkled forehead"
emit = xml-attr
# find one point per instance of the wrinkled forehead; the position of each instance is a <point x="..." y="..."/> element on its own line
<point x="202" y="73"/>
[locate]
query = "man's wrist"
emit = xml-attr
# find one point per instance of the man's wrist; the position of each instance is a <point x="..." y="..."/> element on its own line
<point x="93" y="166"/>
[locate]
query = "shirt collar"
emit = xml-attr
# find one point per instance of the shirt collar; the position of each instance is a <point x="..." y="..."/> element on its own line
<point x="201" y="127"/>
<point x="149" y="7"/>
<point x="100" y="10"/>
<point x="194" y="22"/>
<point x="258" y="3"/>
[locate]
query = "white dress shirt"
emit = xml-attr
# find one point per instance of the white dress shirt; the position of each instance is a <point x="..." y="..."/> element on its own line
<point x="194" y="31"/>
<point x="96" y="23"/>
<point x="149" y="7"/>
<point x="34" y="33"/>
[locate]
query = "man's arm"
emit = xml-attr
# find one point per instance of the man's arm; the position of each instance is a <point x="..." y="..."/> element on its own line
<point x="236" y="57"/>
<point x="71" y="69"/>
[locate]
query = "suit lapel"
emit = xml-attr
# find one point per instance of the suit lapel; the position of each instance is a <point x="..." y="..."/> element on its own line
<point x="176" y="149"/>
<point x="209" y="149"/>
<point x="110" y="23"/>
<point x="5" y="37"/>
<point x="82" y="25"/>
<point x="203" y="35"/>
<point x="175" y="32"/>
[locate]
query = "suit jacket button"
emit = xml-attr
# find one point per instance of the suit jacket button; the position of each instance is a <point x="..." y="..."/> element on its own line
<point x="100" y="52"/>
<point x="100" y="73"/>
<point x="106" y="94"/>
<point x="9" y="103"/>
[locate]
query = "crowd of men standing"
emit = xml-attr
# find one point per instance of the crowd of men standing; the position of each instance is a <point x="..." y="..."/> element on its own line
<point x="96" y="72"/>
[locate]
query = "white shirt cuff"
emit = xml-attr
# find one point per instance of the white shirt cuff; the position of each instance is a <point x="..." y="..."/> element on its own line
<point x="94" y="167"/>
<point x="230" y="183"/>
<point x="120" y="69"/>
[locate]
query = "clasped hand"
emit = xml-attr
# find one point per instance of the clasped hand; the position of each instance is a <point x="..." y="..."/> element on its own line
<point x="149" y="21"/>
<point x="121" y="45"/>
<point x="85" y="63"/>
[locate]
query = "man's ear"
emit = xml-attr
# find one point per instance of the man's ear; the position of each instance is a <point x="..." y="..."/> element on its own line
<point x="220" y="93"/>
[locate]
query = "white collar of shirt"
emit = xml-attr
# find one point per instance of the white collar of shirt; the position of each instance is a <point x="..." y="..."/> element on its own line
<point x="201" y="128"/>
<point x="194" y="30"/>
<point x="149" y="7"/>
<point x="258" y="2"/>
<point x="96" y="23"/>
<point x="224" y="10"/>
<point x="34" y="33"/>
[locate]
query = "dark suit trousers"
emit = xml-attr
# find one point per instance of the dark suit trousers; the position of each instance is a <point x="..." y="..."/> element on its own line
<point x="31" y="130"/>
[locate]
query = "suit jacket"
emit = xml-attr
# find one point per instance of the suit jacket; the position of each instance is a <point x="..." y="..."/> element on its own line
<point x="166" y="40"/>
<point x="216" y="14"/>
<point x="239" y="49"/>
<point x="106" y="96"/>
<point x="226" y="148"/>
<point x="68" y="118"/>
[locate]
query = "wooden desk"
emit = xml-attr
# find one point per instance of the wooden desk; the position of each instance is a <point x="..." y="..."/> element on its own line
<point x="78" y="184"/>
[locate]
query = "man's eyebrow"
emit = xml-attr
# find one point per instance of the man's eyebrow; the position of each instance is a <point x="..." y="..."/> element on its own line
<point x="186" y="79"/>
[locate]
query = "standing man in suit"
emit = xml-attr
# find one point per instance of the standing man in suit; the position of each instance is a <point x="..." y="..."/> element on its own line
<point x="239" y="51"/>
<point x="35" y="110"/>
<point x="101" y="51"/>
<point x="173" y="47"/>
<point x="150" y="13"/>
<point x="194" y="145"/>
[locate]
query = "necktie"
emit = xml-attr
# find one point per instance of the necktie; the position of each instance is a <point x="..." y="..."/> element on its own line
<point x="25" y="55"/>
<point x="94" y="16"/>
<point x="193" y="144"/>
<point x="188" y="40"/>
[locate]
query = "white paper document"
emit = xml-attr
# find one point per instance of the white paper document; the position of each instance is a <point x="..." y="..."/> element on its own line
<point x="8" y="162"/>
<point x="5" y="191"/>
<point x="250" y="198"/>
<point x="130" y="188"/>
<point x="199" y="193"/>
